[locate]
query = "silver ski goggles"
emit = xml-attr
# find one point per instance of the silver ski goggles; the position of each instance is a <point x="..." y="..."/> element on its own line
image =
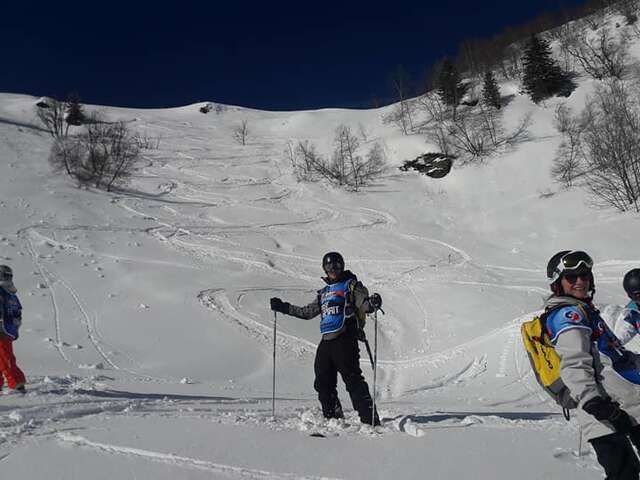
<point x="575" y="262"/>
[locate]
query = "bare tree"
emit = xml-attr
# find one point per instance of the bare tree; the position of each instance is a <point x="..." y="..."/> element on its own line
<point x="345" y="158"/>
<point x="567" y="165"/>
<point x="144" y="141"/>
<point x="475" y="133"/>
<point x="566" y="37"/>
<point x="95" y="141"/>
<point x="304" y="160"/>
<point x="66" y="154"/>
<point x="347" y="167"/>
<point x="606" y="153"/>
<point x="402" y="112"/>
<point x="629" y="9"/>
<point x="104" y="155"/>
<point x="241" y="132"/>
<point x="438" y="114"/>
<point x="600" y="56"/>
<point x="52" y="118"/>
<point x="612" y="140"/>
<point x="123" y="153"/>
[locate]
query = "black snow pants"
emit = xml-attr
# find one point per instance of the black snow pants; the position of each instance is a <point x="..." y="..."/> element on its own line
<point x="617" y="457"/>
<point x="342" y="355"/>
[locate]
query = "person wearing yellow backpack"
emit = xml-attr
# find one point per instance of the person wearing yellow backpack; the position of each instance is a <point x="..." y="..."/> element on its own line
<point x="608" y="399"/>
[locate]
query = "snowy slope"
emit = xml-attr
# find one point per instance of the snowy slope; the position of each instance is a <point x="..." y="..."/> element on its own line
<point x="147" y="337"/>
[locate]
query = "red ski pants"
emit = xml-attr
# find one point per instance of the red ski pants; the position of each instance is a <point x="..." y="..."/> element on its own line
<point x="8" y="367"/>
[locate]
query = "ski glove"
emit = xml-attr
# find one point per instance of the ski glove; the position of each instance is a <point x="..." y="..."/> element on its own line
<point x="277" y="305"/>
<point x="604" y="409"/>
<point x="375" y="301"/>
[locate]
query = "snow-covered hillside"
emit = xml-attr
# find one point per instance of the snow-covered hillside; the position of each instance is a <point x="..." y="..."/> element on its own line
<point x="147" y="337"/>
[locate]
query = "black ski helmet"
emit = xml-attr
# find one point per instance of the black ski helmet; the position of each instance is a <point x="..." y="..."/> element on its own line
<point x="566" y="262"/>
<point x="6" y="274"/>
<point x="631" y="282"/>
<point x="332" y="261"/>
<point x="553" y="266"/>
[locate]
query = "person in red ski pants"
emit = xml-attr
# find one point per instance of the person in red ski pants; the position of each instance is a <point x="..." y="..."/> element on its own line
<point x="10" y="320"/>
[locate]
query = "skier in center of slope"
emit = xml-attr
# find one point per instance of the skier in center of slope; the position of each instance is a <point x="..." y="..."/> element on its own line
<point x="342" y="304"/>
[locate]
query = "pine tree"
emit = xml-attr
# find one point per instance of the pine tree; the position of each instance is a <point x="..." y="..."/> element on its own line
<point x="490" y="91"/>
<point x="75" y="114"/>
<point x="542" y="75"/>
<point x="448" y="83"/>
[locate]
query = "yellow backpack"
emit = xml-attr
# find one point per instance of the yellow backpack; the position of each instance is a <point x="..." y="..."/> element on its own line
<point x="361" y="316"/>
<point x="545" y="362"/>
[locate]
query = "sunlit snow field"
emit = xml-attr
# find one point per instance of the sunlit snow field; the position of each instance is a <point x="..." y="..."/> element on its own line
<point x="147" y="338"/>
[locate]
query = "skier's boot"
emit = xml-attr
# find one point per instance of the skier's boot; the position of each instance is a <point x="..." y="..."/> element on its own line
<point x="332" y="408"/>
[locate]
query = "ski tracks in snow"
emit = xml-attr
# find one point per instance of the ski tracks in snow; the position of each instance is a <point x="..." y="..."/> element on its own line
<point x="218" y="300"/>
<point x="229" y="471"/>
<point x="51" y="279"/>
<point x="89" y="325"/>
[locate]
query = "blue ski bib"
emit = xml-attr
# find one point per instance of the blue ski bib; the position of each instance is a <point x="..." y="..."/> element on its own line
<point x="12" y="313"/>
<point x="334" y="306"/>
<point x="570" y="317"/>
<point x="632" y="315"/>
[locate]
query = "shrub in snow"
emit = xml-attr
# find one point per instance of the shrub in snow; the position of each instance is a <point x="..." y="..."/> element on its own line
<point x="56" y="116"/>
<point x="347" y="167"/>
<point x="402" y="113"/>
<point x="52" y="118"/>
<point x="303" y="158"/>
<point x="604" y="141"/>
<point x="628" y="9"/>
<point x="474" y="132"/>
<point x="599" y="55"/>
<point x="146" y="142"/>
<point x="241" y="132"/>
<point x="566" y="167"/>
<point x="104" y="155"/>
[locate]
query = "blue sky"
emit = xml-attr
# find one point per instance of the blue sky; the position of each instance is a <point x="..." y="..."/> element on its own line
<point x="277" y="55"/>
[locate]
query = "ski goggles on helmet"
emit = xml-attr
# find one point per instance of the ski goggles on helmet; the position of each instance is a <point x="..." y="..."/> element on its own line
<point x="572" y="263"/>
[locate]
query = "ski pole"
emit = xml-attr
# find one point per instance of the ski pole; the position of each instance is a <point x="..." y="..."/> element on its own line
<point x="375" y="364"/>
<point x="366" y="344"/>
<point x="273" y="387"/>
<point x="580" y="441"/>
